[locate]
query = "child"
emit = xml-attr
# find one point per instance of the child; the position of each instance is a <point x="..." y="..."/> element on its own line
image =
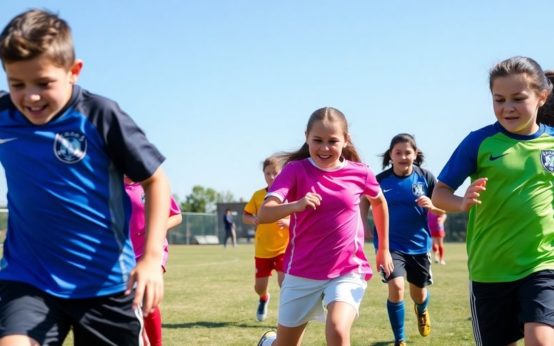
<point x="320" y="187"/>
<point x="407" y="188"/>
<point x="436" y="227"/>
<point x="229" y="225"/>
<point x="270" y="242"/>
<point x="68" y="260"/>
<point x="137" y="223"/>
<point x="510" y="232"/>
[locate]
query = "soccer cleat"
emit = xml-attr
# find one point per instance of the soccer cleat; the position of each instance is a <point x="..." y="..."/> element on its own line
<point x="268" y="336"/>
<point x="400" y="343"/>
<point x="261" y="313"/>
<point x="423" y="322"/>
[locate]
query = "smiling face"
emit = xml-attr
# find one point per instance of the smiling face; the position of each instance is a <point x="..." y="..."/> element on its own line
<point x="325" y="140"/>
<point x="516" y="102"/>
<point x="402" y="157"/>
<point x="40" y="89"/>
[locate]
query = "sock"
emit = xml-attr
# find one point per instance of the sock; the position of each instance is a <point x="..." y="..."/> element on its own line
<point x="423" y="306"/>
<point x="441" y="253"/>
<point x="396" y="317"/>
<point x="153" y="326"/>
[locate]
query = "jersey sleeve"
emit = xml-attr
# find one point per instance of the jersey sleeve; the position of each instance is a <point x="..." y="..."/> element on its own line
<point x="430" y="180"/>
<point x="250" y="207"/>
<point x="174" y="208"/>
<point x="284" y="182"/>
<point x="372" y="188"/>
<point x="129" y="149"/>
<point x="463" y="161"/>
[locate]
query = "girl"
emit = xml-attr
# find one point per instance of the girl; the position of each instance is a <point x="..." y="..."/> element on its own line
<point x="271" y="239"/>
<point x="436" y="227"/>
<point x="320" y="187"/>
<point x="510" y="232"/>
<point x="153" y="321"/>
<point x="407" y="188"/>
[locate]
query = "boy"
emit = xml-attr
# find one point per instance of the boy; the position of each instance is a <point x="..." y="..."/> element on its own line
<point x="68" y="260"/>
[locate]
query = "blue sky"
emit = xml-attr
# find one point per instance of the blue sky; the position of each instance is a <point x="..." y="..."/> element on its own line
<point x="220" y="85"/>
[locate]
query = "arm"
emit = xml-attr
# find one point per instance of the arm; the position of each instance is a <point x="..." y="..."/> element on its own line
<point x="249" y="219"/>
<point x="380" y="211"/>
<point x="364" y="211"/>
<point x="426" y="202"/>
<point x="147" y="275"/>
<point x="443" y="196"/>
<point x="273" y="209"/>
<point x="174" y="220"/>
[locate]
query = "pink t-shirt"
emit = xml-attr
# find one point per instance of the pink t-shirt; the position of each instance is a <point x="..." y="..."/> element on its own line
<point x="137" y="222"/>
<point x="327" y="242"/>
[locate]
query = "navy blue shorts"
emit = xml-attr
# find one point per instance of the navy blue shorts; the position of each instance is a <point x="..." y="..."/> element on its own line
<point x="416" y="268"/>
<point x="108" y="320"/>
<point x="500" y="310"/>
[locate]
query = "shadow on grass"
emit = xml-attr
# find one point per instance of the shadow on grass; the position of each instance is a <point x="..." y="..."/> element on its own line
<point x="382" y="343"/>
<point x="211" y="324"/>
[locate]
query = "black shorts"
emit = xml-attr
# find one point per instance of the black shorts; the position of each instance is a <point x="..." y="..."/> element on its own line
<point x="500" y="310"/>
<point x="108" y="320"/>
<point x="417" y="268"/>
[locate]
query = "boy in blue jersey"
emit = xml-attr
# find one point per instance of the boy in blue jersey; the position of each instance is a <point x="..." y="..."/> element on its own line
<point x="510" y="232"/>
<point x="68" y="261"/>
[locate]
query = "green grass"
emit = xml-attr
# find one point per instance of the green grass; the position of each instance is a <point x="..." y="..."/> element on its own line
<point x="210" y="300"/>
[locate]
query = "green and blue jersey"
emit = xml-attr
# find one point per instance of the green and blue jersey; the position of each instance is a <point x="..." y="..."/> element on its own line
<point x="511" y="233"/>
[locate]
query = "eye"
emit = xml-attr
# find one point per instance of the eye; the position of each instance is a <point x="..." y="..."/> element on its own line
<point x="44" y="84"/>
<point x="16" y="85"/>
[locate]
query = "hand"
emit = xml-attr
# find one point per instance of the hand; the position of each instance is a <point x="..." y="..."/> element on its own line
<point x="473" y="192"/>
<point x="384" y="260"/>
<point x="424" y="202"/>
<point x="283" y="223"/>
<point x="147" y="279"/>
<point x="312" y="200"/>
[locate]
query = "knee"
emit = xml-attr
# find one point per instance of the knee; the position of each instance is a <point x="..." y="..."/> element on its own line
<point x="338" y="334"/>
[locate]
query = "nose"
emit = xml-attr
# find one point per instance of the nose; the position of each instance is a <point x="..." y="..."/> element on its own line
<point x="32" y="96"/>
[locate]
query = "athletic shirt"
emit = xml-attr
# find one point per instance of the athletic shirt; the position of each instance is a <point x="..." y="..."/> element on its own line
<point x="434" y="224"/>
<point x="68" y="230"/>
<point x="271" y="240"/>
<point x="511" y="233"/>
<point x="137" y="222"/>
<point x="327" y="242"/>
<point x="408" y="229"/>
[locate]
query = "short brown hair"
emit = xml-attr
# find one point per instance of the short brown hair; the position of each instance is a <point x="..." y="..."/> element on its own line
<point x="34" y="33"/>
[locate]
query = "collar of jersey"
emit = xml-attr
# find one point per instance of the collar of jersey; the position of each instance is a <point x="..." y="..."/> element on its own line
<point x="340" y="166"/>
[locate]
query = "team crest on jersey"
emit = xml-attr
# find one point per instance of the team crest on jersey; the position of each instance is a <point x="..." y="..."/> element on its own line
<point x="70" y="146"/>
<point x="418" y="189"/>
<point x="547" y="160"/>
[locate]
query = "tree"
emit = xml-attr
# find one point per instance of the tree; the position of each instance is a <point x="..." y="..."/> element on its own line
<point x="204" y="200"/>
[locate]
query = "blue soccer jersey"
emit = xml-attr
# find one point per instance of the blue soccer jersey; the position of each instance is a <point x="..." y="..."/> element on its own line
<point x="408" y="229"/>
<point x="511" y="233"/>
<point x="68" y="211"/>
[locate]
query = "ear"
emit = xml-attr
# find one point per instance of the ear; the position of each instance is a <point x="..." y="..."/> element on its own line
<point x="348" y="140"/>
<point x="75" y="70"/>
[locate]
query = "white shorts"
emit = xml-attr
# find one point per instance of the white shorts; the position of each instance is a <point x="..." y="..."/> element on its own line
<point x="303" y="300"/>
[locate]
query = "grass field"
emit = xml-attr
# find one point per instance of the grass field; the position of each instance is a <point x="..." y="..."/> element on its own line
<point x="210" y="300"/>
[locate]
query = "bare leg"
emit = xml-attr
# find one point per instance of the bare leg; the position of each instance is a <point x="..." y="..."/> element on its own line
<point x="340" y="318"/>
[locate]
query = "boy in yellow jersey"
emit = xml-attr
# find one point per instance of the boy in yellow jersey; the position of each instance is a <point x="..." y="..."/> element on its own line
<point x="271" y="239"/>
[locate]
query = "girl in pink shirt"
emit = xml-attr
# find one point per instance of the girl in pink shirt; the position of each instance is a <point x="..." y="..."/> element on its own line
<point x="137" y="229"/>
<point x="320" y="188"/>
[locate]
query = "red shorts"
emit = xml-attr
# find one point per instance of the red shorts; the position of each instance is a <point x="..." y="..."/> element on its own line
<point x="264" y="266"/>
<point x="438" y="234"/>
